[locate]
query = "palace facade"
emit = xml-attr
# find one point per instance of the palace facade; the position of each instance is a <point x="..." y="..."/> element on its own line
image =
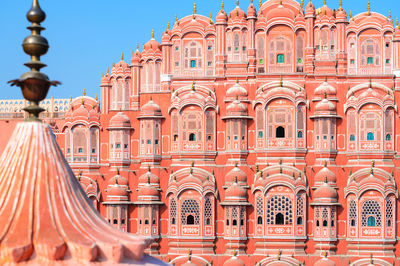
<point x="264" y="137"/>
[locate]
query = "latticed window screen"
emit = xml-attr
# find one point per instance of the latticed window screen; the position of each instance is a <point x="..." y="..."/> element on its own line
<point x="370" y="49"/>
<point x="260" y="47"/>
<point x="300" y="118"/>
<point x="299" y="49"/>
<point x="317" y="213"/>
<point x="208" y="209"/>
<point x="353" y="212"/>
<point x="299" y="205"/>
<point x="370" y="126"/>
<point x="280" y="48"/>
<point x="172" y="210"/>
<point x="260" y="206"/>
<point x="389" y="212"/>
<point x="190" y="207"/>
<point x="260" y="122"/>
<point x="279" y="205"/>
<point x="209" y="123"/>
<point x="325" y="214"/>
<point x="351" y="125"/>
<point x="371" y="208"/>
<point x="388" y="123"/>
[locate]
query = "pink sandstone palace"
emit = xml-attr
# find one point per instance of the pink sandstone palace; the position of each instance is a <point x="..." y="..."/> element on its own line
<point x="265" y="137"/>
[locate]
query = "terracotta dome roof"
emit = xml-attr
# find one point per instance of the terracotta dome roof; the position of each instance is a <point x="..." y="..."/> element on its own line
<point x="325" y="88"/>
<point x="121" y="64"/>
<point x="80" y="112"/>
<point x="236" y="91"/>
<point x="238" y="174"/>
<point x="236" y="193"/>
<point x="325" y="194"/>
<point x="150" y="109"/>
<point x="325" y="106"/>
<point x="152" y="45"/>
<point x="136" y="57"/>
<point x="105" y="79"/>
<point x="234" y="261"/>
<point x="94" y="114"/>
<point x="154" y="180"/>
<point x="117" y="190"/>
<point x="325" y="10"/>
<point x="324" y="262"/>
<point x="341" y="14"/>
<point x="117" y="179"/>
<point x="251" y="11"/>
<point x="236" y="108"/>
<point x="221" y="17"/>
<point x="310" y="8"/>
<point x="148" y="192"/>
<point x="323" y="174"/>
<point x="120" y="120"/>
<point x="237" y="13"/>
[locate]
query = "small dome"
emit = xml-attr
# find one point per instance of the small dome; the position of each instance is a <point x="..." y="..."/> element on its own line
<point x="152" y="45"/>
<point x="117" y="179"/>
<point x="105" y="79"/>
<point x="237" y="13"/>
<point x="94" y="114"/>
<point x="236" y="108"/>
<point x="236" y="193"/>
<point x="150" y="109"/>
<point x="81" y="111"/>
<point x="120" y="120"/>
<point x="221" y="17"/>
<point x="238" y="174"/>
<point x="154" y="180"/>
<point x="148" y="192"/>
<point x="236" y="91"/>
<point x="121" y="64"/>
<point x="136" y="57"/>
<point x="234" y="261"/>
<point x="325" y="10"/>
<point x="310" y="9"/>
<point x="117" y="193"/>
<point x="325" y="106"/>
<point x="341" y="14"/>
<point x="251" y="11"/>
<point x="325" y="194"/>
<point x="324" y="262"/>
<point x="323" y="174"/>
<point x="325" y="88"/>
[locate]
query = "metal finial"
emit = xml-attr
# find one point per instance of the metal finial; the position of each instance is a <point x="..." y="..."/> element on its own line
<point x="281" y="81"/>
<point x="324" y="2"/>
<point x="372" y="163"/>
<point x="117" y="171"/>
<point x="34" y="84"/>
<point x="237" y="2"/>
<point x="148" y="169"/>
<point x="97" y="99"/>
<point x="351" y="14"/>
<point x="137" y="46"/>
<point x="301" y="3"/>
<point x="152" y="33"/>
<point x="222" y="5"/>
<point x="397" y="22"/>
<point x="235" y="180"/>
<point x="325" y="163"/>
<point x="168" y="25"/>
<point x="194" y="8"/>
<point x="259" y="3"/>
<point x="341" y="4"/>
<point x="84" y="92"/>
<point x="122" y="56"/>
<point x="390" y="14"/>
<point x="190" y="255"/>
<point x="369" y="8"/>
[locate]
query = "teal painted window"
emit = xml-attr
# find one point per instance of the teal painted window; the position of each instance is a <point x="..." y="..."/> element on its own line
<point x="80" y="150"/>
<point x="280" y="58"/>
<point x="352" y="138"/>
<point x="370" y="136"/>
<point x="388" y="137"/>
<point x="192" y="63"/>
<point x="118" y="145"/>
<point x="370" y="61"/>
<point x="300" y="134"/>
<point x="260" y="134"/>
<point x="93" y="150"/>
<point x="371" y="221"/>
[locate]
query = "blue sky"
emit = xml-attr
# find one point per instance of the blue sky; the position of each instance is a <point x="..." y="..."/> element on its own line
<point x="86" y="36"/>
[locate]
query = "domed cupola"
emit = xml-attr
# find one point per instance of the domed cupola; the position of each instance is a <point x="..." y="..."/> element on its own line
<point x="324" y="262"/>
<point x="150" y="109"/>
<point x="236" y="108"/>
<point x="116" y="192"/>
<point x="236" y="174"/>
<point x="221" y="16"/>
<point x="154" y="180"/>
<point x="120" y="120"/>
<point x="121" y="67"/>
<point x="236" y="92"/>
<point x="325" y="11"/>
<point x="234" y="261"/>
<point x="118" y="179"/>
<point x="136" y="56"/>
<point x="152" y="45"/>
<point x="325" y="89"/>
<point x="341" y="15"/>
<point x="237" y="14"/>
<point x="310" y="9"/>
<point x="323" y="174"/>
<point x="325" y="107"/>
<point x="251" y="11"/>
<point x="325" y="195"/>
<point x="80" y="113"/>
<point x="148" y="193"/>
<point x="235" y="193"/>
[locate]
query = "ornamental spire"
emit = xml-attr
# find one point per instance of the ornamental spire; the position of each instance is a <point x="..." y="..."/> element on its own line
<point x="260" y="3"/>
<point x="397" y="22"/>
<point x="122" y="56"/>
<point x="390" y="14"/>
<point x="84" y="92"/>
<point x="301" y="3"/>
<point x="152" y="33"/>
<point x="369" y="8"/>
<point x="194" y="8"/>
<point x="222" y="5"/>
<point x="237" y="2"/>
<point x="324" y="2"/>
<point x="137" y="46"/>
<point x="340" y="5"/>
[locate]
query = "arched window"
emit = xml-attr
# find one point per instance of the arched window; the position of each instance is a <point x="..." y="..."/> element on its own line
<point x="279" y="205"/>
<point x="371" y="213"/>
<point x="300" y="134"/>
<point x="190" y="219"/>
<point x="190" y="212"/>
<point x="260" y="209"/>
<point x="234" y="222"/>
<point x="371" y="221"/>
<point x="370" y="136"/>
<point x="352" y="212"/>
<point x="388" y="137"/>
<point x="352" y="137"/>
<point x="172" y="211"/>
<point x="192" y="137"/>
<point x="193" y="56"/>
<point x="259" y="220"/>
<point x="280" y="59"/>
<point x="279" y="218"/>
<point x="299" y="220"/>
<point x="280" y="132"/>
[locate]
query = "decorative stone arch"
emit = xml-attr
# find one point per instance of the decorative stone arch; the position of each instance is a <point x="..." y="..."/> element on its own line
<point x="371" y="261"/>
<point x="193" y="95"/>
<point x="197" y="260"/>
